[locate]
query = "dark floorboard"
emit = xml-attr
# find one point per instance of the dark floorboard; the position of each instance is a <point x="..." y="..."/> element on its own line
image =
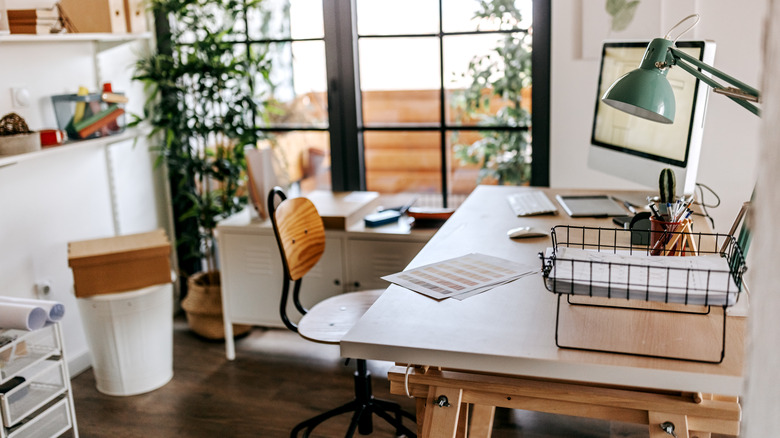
<point x="276" y="380"/>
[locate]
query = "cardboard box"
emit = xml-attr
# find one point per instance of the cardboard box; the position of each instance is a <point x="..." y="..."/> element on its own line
<point x="341" y="210"/>
<point x="86" y="16"/>
<point x="119" y="264"/>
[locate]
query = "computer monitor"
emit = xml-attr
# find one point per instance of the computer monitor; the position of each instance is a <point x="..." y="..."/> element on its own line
<point x="636" y="149"/>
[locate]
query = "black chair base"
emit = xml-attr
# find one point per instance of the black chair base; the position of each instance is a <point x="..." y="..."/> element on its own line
<point x="363" y="407"/>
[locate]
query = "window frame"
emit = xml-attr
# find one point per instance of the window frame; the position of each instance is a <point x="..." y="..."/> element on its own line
<point x="345" y="106"/>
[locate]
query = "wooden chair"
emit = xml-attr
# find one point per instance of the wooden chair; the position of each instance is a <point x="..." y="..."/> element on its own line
<point x="301" y="237"/>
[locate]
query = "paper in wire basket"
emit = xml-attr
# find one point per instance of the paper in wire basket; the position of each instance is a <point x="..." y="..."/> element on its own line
<point x="697" y="280"/>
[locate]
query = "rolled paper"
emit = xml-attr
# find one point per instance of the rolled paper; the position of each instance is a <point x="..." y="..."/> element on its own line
<point x="54" y="310"/>
<point x="21" y="316"/>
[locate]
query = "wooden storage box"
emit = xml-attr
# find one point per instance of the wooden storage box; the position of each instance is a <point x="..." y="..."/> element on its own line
<point x="121" y="263"/>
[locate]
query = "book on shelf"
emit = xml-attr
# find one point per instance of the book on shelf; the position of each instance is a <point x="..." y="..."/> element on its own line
<point x="33" y="21"/>
<point x="30" y="28"/>
<point x="37" y="21"/>
<point x="33" y="14"/>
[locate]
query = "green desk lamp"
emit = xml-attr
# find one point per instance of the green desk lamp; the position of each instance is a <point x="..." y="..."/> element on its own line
<point x="646" y="93"/>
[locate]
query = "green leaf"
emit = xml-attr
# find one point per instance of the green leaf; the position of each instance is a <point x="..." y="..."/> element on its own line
<point x="623" y="18"/>
<point x="613" y="7"/>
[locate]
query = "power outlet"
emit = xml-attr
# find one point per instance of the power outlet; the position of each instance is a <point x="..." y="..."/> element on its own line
<point x="20" y="97"/>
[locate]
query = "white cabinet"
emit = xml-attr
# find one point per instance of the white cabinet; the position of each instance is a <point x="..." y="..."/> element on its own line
<point x="36" y="399"/>
<point x="370" y="259"/>
<point x="355" y="259"/>
<point x="251" y="270"/>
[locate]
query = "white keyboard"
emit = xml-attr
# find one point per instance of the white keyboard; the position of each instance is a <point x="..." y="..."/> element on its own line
<point x="530" y="203"/>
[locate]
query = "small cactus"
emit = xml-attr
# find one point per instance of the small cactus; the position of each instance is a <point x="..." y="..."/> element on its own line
<point x="666" y="185"/>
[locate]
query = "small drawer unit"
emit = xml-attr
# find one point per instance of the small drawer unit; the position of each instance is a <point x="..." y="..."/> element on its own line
<point x="53" y="421"/>
<point x="35" y="393"/>
<point x="21" y="349"/>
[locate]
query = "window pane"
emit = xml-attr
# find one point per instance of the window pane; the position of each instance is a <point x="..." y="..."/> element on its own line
<point x="488" y="157"/>
<point x="282" y="19"/>
<point x="402" y="161"/>
<point x="396" y="17"/>
<point x="302" y="156"/>
<point x="400" y="80"/>
<point x="470" y="15"/>
<point x="296" y="85"/>
<point x="488" y="79"/>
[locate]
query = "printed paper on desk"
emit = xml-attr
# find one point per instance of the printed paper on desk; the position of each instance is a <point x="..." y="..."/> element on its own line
<point x="460" y="277"/>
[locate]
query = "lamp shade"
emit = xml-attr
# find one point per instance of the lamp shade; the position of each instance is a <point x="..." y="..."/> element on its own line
<point x="645" y="92"/>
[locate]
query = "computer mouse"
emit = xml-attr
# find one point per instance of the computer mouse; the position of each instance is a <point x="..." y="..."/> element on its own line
<point x="516" y="233"/>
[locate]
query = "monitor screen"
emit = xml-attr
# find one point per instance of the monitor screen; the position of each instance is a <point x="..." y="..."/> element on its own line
<point x="637" y="149"/>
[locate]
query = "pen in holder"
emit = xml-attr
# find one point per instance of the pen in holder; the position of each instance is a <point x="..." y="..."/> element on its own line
<point x="672" y="238"/>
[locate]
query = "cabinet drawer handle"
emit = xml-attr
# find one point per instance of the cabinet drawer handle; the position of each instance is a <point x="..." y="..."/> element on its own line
<point x="356" y="284"/>
<point x="337" y="282"/>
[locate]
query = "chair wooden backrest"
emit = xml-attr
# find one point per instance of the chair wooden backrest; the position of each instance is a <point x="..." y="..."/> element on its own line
<point x="300" y="235"/>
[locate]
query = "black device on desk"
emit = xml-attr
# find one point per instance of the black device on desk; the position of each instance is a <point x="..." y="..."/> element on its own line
<point x="639" y="224"/>
<point x="387" y="216"/>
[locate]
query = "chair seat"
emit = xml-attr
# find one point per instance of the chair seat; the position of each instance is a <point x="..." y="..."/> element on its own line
<point x="330" y="319"/>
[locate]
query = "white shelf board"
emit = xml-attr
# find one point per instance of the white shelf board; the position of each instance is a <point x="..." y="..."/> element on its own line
<point x="128" y="134"/>
<point x="71" y="37"/>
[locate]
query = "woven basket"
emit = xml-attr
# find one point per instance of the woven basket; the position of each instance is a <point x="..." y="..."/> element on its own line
<point x="203" y="305"/>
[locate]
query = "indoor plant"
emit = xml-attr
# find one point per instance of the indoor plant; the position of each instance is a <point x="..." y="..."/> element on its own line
<point x="202" y="111"/>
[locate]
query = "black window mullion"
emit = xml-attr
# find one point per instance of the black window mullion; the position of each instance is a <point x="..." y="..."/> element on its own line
<point x="540" y="99"/>
<point x="442" y="112"/>
<point x="344" y="100"/>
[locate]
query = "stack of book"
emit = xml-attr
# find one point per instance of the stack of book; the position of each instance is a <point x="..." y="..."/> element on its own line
<point x="34" y="21"/>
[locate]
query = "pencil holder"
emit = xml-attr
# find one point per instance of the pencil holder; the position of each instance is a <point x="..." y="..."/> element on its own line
<point x="661" y="230"/>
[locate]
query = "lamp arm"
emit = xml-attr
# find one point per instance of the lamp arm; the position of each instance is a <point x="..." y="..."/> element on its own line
<point x="744" y="91"/>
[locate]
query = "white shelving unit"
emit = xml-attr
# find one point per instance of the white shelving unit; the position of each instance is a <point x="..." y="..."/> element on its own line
<point x="70" y="146"/>
<point x="79" y="190"/>
<point x="37" y="400"/>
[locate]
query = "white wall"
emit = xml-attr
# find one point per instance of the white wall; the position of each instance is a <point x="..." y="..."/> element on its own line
<point x="762" y="399"/>
<point x="71" y="193"/>
<point x="731" y="137"/>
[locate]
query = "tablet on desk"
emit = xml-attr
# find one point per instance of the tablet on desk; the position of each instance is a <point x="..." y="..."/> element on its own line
<point x="590" y="205"/>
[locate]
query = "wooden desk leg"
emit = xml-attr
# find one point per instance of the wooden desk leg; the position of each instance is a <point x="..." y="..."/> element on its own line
<point x="656" y="419"/>
<point x="461" y="431"/>
<point x="481" y="421"/>
<point x="441" y="421"/>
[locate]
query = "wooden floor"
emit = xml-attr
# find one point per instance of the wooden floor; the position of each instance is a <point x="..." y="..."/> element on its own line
<point x="277" y="380"/>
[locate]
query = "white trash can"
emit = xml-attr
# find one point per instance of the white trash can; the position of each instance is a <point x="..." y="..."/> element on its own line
<point x="130" y="335"/>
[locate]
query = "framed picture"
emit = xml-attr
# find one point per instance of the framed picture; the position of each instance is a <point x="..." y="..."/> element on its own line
<point x="4" y="30"/>
<point x="618" y="20"/>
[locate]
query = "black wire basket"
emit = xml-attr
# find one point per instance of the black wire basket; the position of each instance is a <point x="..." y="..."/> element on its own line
<point x="608" y="264"/>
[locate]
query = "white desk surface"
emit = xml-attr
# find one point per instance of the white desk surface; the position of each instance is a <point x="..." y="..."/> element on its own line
<point x="510" y="329"/>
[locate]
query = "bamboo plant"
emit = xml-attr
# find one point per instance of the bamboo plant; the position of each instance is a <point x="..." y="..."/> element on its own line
<point x="202" y="111"/>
